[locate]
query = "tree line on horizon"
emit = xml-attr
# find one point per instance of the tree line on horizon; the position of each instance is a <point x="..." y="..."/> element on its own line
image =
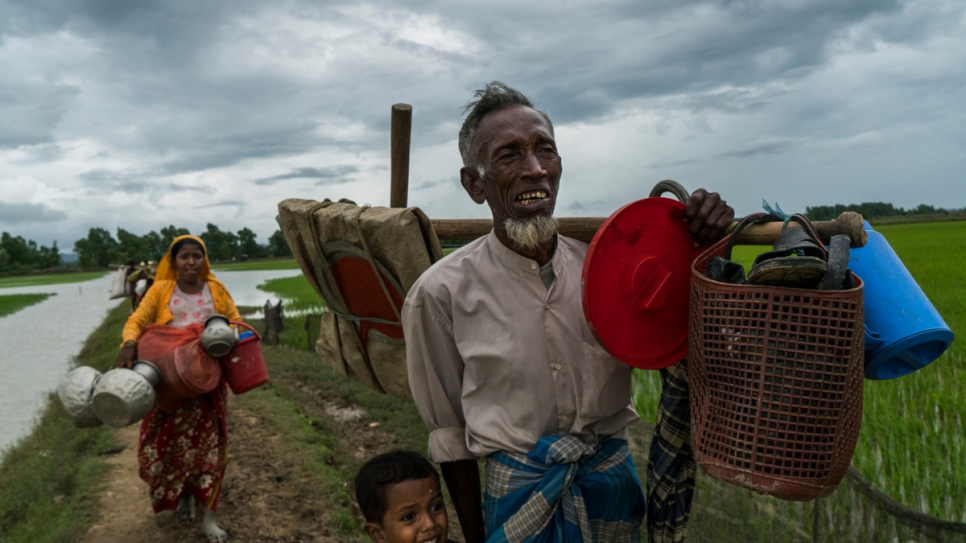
<point x="873" y="210"/>
<point x="100" y="249"/>
<point x="22" y="255"/>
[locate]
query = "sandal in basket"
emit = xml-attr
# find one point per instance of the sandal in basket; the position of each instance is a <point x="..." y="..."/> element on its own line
<point x="837" y="277"/>
<point x="797" y="261"/>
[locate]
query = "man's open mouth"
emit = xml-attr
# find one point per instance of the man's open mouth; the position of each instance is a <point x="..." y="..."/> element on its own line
<point x="528" y="198"/>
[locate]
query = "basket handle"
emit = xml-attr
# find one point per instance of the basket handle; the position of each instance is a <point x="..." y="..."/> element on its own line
<point x="246" y="325"/>
<point x="754" y="218"/>
<point x="759" y="218"/>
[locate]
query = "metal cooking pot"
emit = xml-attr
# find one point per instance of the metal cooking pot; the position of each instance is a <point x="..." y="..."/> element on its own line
<point x="149" y="371"/>
<point x="75" y="391"/>
<point x="122" y="397"/>
<point x="218" y="338"/>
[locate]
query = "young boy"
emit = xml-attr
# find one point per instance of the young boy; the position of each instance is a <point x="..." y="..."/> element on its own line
<point x="400" y="496"/>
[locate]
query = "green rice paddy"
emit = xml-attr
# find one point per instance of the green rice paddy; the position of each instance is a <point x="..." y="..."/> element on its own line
<point x="913" y="440"/>
<point x="256" y="265"/>
<point x="11" y="303"/>
<point x="296" y="293"/>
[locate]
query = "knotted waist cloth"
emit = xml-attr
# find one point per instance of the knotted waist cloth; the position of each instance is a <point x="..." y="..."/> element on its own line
<point x="564" y="490"/>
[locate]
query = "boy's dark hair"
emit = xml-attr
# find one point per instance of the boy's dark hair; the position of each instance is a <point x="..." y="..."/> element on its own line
<point x="379" y="472"/>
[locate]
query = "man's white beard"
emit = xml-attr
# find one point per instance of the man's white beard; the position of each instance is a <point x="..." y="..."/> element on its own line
<point x="531" y="233"/>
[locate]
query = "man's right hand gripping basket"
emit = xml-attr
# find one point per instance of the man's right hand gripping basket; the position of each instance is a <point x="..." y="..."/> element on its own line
<point x="776" y="382"/>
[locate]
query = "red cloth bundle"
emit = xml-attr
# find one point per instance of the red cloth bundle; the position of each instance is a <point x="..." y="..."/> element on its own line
<point x="187" y="371"/>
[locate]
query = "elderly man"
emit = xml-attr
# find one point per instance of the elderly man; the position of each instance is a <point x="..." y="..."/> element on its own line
<point x="502" y="364"/>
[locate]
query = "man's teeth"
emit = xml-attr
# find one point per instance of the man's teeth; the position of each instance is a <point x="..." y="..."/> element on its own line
<point x="529" y="197"/>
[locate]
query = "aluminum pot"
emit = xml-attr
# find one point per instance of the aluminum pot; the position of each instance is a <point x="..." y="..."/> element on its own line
<point x="149" y="371"/>
<point x="218" y="338"/>
<point x="122" y="397"/>
<point x="75" y="391"/>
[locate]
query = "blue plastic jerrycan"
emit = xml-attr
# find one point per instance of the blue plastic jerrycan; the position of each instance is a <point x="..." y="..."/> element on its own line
<point x="903" y="331"/>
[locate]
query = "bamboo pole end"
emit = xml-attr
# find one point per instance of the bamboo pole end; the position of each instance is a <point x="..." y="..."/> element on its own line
<point x="852" y="224"/>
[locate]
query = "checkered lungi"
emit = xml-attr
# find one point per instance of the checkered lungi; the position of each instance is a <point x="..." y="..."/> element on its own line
<point x="564" y="491"/>
<point x="671" y="464"/>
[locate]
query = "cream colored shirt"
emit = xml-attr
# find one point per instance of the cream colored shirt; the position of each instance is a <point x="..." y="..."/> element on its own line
<point x="497" y="360"/>
<point x="190" y="308"/>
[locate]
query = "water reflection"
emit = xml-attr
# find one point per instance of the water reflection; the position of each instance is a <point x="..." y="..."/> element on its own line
<point x="246" y="283"/>
<point x="37" y="343"/>
<point x="242" y="285"/>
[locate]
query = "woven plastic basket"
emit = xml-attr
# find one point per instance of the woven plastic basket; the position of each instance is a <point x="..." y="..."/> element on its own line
<point x="776" y="383"/>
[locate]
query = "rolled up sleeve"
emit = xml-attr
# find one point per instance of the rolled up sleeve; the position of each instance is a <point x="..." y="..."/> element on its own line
<point x="146" y="312"/>
<point x="435" y="376"/>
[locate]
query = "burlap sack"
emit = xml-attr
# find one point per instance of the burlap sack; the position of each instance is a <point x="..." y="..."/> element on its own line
<point x="400" y="241"/>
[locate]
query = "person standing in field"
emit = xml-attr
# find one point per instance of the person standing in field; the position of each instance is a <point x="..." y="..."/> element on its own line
<point x="502" y="364"/>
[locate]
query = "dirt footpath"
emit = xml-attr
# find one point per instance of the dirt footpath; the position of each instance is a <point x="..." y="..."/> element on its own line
<point x="255" y="504"/>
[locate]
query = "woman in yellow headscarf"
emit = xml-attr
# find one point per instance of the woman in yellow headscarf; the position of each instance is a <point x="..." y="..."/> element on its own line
<point x="182" y="454"/>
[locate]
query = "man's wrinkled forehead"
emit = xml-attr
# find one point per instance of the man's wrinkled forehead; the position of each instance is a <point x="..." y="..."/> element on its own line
<point x="499" y="122"/>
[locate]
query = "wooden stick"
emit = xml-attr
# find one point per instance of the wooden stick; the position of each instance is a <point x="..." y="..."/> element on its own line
<point x="848" y="223"/>
<point x="402" y="121"/>
<point x="584" y="228"/>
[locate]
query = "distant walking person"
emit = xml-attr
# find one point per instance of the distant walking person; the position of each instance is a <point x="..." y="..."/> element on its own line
<point x="140" y="278"/>
<point x="129" y="269"/>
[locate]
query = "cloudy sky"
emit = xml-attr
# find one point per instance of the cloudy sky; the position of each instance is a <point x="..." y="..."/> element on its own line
<point x="143" y="114"/>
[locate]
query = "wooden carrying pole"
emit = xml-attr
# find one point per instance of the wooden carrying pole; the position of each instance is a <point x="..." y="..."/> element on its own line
<point x="582" y="228"/>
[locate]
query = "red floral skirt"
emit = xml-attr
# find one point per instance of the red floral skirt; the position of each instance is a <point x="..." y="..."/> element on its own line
<point x="185" y="452"/>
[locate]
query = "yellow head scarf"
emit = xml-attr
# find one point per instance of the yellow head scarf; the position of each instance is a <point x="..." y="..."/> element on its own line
<point x="166" y="269"/>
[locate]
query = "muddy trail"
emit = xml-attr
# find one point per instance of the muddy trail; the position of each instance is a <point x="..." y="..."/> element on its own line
<point x="256" y="503"/>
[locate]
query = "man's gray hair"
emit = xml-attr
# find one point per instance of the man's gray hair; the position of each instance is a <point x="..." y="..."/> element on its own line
<point x="494" y="96"/>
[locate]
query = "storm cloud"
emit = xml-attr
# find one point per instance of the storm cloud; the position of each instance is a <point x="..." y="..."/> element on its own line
<point x="333" y="175"/>
<point x="25" y="213"/>
<point x="143" y="114"/>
